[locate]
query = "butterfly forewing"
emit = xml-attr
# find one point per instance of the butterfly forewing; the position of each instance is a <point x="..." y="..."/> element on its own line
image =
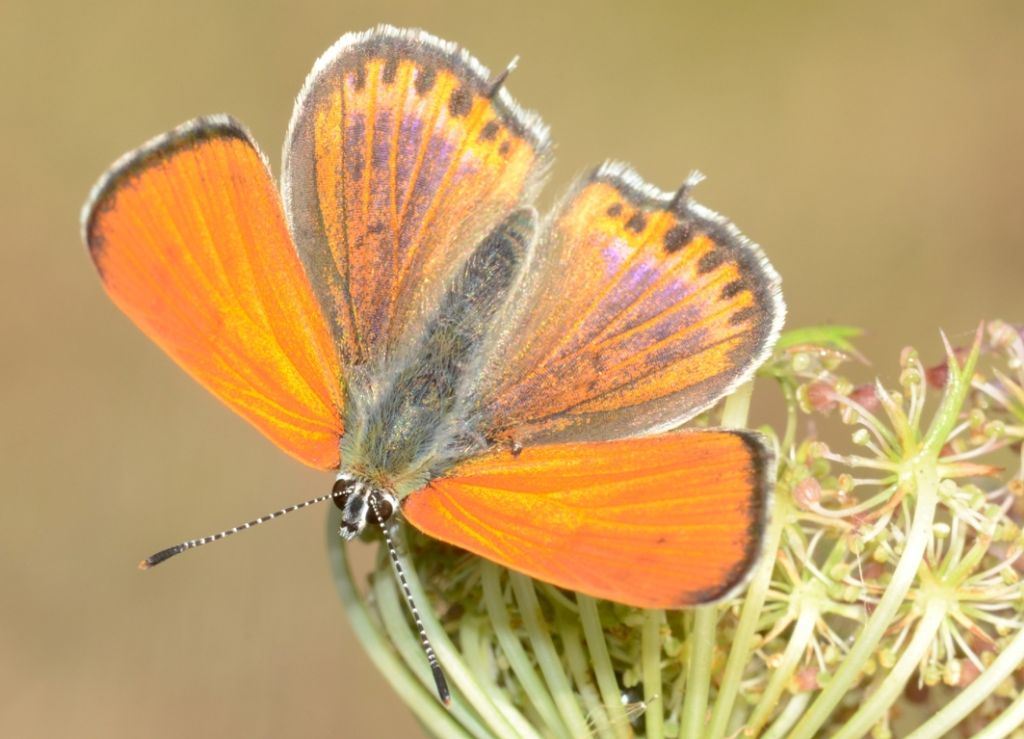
<point x="639" y="311"/>
<point x="401" y="156"/>
<point x="190" y="241"/>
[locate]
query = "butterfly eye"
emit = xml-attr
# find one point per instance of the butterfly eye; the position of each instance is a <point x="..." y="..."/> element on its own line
<point x="381" y="505"/>
<point x="341" y="490"/>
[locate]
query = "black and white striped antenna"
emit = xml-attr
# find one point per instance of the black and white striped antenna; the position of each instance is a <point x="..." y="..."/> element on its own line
<point x="435" y="667"/>
<point x="342" y="488"/>
<point x="165" y="554"/>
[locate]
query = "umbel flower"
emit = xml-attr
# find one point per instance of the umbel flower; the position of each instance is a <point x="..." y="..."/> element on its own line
<point x="887" y="603"/>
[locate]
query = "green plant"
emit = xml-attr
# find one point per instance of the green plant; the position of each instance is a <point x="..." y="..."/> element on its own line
<point x="887" y="603"/>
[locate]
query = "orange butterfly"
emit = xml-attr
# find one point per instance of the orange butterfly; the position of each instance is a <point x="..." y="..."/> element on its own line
<point x="400" y="315"/>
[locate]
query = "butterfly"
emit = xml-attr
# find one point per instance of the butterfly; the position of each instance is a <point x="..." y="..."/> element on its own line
<point x="399" y="313"/>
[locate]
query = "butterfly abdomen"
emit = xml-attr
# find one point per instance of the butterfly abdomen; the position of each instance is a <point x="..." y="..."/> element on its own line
<point x="407" y="433"/>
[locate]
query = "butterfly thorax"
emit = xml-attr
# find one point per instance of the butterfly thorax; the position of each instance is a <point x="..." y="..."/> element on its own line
<point x="408" y="419"/>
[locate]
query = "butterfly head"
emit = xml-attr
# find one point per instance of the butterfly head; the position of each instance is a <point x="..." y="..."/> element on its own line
<point x="361" y="502"/>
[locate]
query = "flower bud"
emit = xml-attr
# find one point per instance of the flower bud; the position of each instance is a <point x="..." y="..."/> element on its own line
<point x="805" y="680"/>
<point x="807" y="493"/>
<point x="910" y="378"/>
<point x="866" y="396"/>
<point x="821" y="396"/>
<point x="951" y="672"/>
<point x="801" y="362"/>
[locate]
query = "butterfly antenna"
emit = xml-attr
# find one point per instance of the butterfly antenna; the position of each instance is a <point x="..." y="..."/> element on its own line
<point x="435" y="667"/>
<point x="165" y="554"/>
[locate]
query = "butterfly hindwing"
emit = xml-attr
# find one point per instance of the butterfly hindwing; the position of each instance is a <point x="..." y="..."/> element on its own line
<point x="402" y="154"/>
<point x="190" y="241"/>
<point x="639" y="310"/>
<point x="659" y="522"/>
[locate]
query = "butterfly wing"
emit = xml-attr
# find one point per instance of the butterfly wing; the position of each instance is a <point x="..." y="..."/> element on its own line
<point x="640" y="310"/>
<point x="190" y="241"/>
<point x="657" y="522"/>
<point x="401" y="156"/>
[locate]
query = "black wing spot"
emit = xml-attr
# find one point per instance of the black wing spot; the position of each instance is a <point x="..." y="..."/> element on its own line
<point x="677" y="237"/>
<point x="490" y="131"/>
<point x="741" y="315"/>
<point x="733" y="289"/>
<point x="390" y="69"/>
<point x="710" y="261"/>
<point x="460" y="103"/>
<point x="614" y="210"/>
<point x="360" y="80"/>
<point x="636" y="222"/>
<point x="425" y="79"/>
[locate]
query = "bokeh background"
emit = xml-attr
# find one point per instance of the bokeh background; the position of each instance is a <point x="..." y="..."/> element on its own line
<point x="875" y="150"/>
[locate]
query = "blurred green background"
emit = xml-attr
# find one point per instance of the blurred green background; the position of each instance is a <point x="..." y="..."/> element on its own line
<point x="874" y="150"/>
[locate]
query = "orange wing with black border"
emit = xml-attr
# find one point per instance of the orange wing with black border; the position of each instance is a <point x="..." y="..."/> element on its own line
<point x="401" y="156"/>
<point x="656" y="522"/>
<point x="639" y="310"/>
<point x="189" y="238"/>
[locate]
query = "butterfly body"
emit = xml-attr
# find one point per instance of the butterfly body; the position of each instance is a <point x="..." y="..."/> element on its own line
<point x="421" y="425"/>
<point x="397" y="313"/>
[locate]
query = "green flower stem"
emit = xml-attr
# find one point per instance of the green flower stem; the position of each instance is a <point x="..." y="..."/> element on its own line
<point x="734" y="414"/>
<point x="476" y="648"/>
<point x="702" y="636"/>
<point x="650" y="660"/>
<point x="519" y="662"/>
<point x="921" y="476"/>
<point x="422" y="703"/>
<point x="601" y="663"/>
<point x="957" y="386"/>
<point x="969" y="561"/>
<point x="789" y="395"/>
<point x="737" y="407"/>
<point x="743" y="641"/>
<point x="801" y="636"/>
<point x="556" y="597"/>
<point x="698" y="672"/>
<point x="473" y="691"/>
<point x="891" y="688"/>
<point x="1007" y="721"/>
<point x="547" y="656"/>
<point x="392" y="611"/>
<point x="1009" y="659"/>
<point x="576" y="657"/>
<point x="793" y="710"/>
<point x="846" y="676"/>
